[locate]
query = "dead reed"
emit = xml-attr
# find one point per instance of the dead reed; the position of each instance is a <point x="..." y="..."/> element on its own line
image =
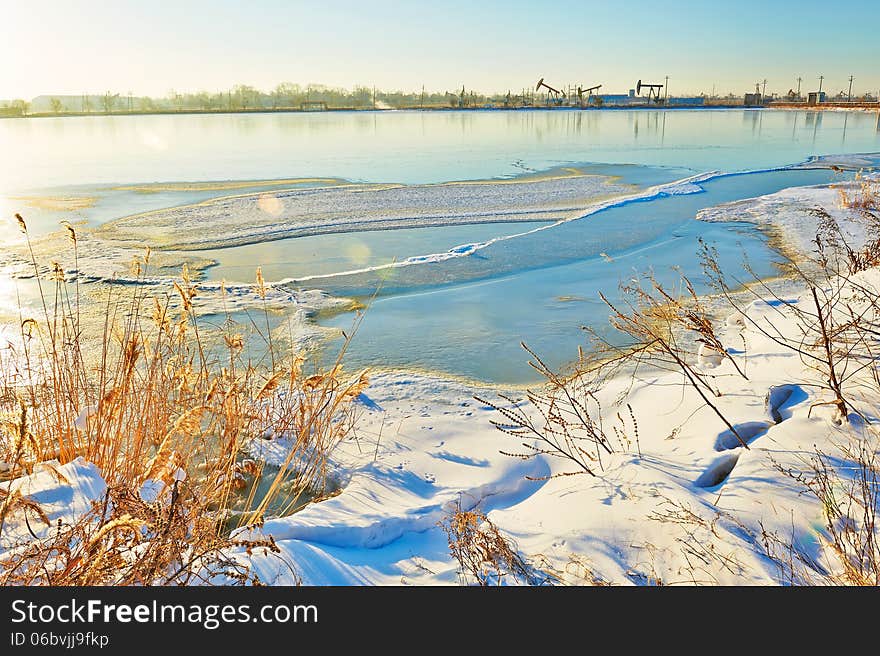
<point x="168" y="409"/>
<point x="484" y="555"/>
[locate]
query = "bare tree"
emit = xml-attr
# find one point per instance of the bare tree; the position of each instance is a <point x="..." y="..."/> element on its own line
<point x="108" y="101"/>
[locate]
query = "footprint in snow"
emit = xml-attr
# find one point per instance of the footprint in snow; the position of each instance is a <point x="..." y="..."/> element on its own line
<point x="778" y="402"/>
<point x="781" y="398"/>
<point x="748" y="431"/>
<point x="718" y="472"/>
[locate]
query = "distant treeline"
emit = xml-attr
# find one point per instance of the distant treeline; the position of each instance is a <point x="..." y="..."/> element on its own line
<point x="242" y="97"/>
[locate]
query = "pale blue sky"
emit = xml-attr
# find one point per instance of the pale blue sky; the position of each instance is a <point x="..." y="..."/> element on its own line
<point x="149" y="47"/>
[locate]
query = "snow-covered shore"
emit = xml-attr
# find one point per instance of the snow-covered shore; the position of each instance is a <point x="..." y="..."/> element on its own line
<point x="692" y="486"/>
<point x="689" y="486"/>
<point x="684" y="504"/>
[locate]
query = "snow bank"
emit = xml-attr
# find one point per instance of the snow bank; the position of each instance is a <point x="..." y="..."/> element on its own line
<point x="788" y="213"/>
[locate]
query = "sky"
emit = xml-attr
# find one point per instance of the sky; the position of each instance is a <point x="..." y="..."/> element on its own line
<point x="57" y="47"/>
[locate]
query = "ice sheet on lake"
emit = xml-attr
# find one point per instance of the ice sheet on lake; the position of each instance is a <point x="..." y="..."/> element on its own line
<point x="258" y="217"/>
<point x="853" y="162"/>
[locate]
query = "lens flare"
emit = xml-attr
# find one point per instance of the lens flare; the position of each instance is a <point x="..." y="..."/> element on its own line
<point x="153" y="141"/>
<point x="270" y="204"/>
<point x="358" y="253"/>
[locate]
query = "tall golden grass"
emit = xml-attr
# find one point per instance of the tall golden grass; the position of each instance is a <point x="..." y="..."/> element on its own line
<point x="156" y="404"/>
<point x="864" y="194"/>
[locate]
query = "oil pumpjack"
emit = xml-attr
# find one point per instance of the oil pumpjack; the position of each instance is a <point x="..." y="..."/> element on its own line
<point x="653" y="90"/>
<point x="558" y="95"/>
<point x="589" y="93"/>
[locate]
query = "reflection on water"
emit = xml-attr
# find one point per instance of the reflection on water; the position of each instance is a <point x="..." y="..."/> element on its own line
<point x="406" y="146"/>
<point x="324" y="254"/>
<point x="813" y="123"/>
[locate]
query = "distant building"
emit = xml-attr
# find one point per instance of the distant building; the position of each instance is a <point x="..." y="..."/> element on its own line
<point x="616" y="99"/>
<point x="753" y="100"/>
<point x="815" y="97"/>
<point x="695" y="101"/>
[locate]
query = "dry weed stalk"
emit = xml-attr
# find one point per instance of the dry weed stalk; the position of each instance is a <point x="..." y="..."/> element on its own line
<point x="569" y="424"/>
<point x="836" y="331"/>
<point x="865" y="194"/>
<point x="564" y="418"/>
<point x="660" y="325"/>
<point x="847" y="486"/>
<point x="484" y="555"/>
<point x="700" y="543"/>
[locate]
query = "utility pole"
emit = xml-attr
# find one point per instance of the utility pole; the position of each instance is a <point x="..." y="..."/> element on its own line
<point x="821" y="78"/>
<point x="666" y="91"/>
<point x="422" y="99"/>
<point x="374" y="97"/>
<point x="849" y="93"/>
<point x="800" y="79"/>
<point x="764" y="90"/>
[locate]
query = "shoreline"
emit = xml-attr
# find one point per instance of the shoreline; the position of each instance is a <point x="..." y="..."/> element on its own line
<point x="655" y="502"/>
<point x="776" y="241"/>
<point x="675" y="483"/>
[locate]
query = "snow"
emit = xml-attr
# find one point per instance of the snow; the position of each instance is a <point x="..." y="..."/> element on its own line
<point x="64" y="492"/>
<point x="685" y="504"/>
<point x="788" y="214"/>
<point x="84" y="417"/>
<point x="382" y="528"/>
<point x="689" y="185"/>
<point x="151" y="490"/>
<point x="437" y="446"/>
<point x="854" y="161"/>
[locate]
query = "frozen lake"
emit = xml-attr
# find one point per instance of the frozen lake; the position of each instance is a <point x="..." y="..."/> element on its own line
<point x="478" y="229"/>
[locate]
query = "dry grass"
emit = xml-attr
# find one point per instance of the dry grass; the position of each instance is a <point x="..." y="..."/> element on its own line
<point x="161" y="403"/>
<point x="865" y="194"/>
<point x="485" y="556"/>
<point x="847" y="486"/>
<point x="562" y="420"/>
